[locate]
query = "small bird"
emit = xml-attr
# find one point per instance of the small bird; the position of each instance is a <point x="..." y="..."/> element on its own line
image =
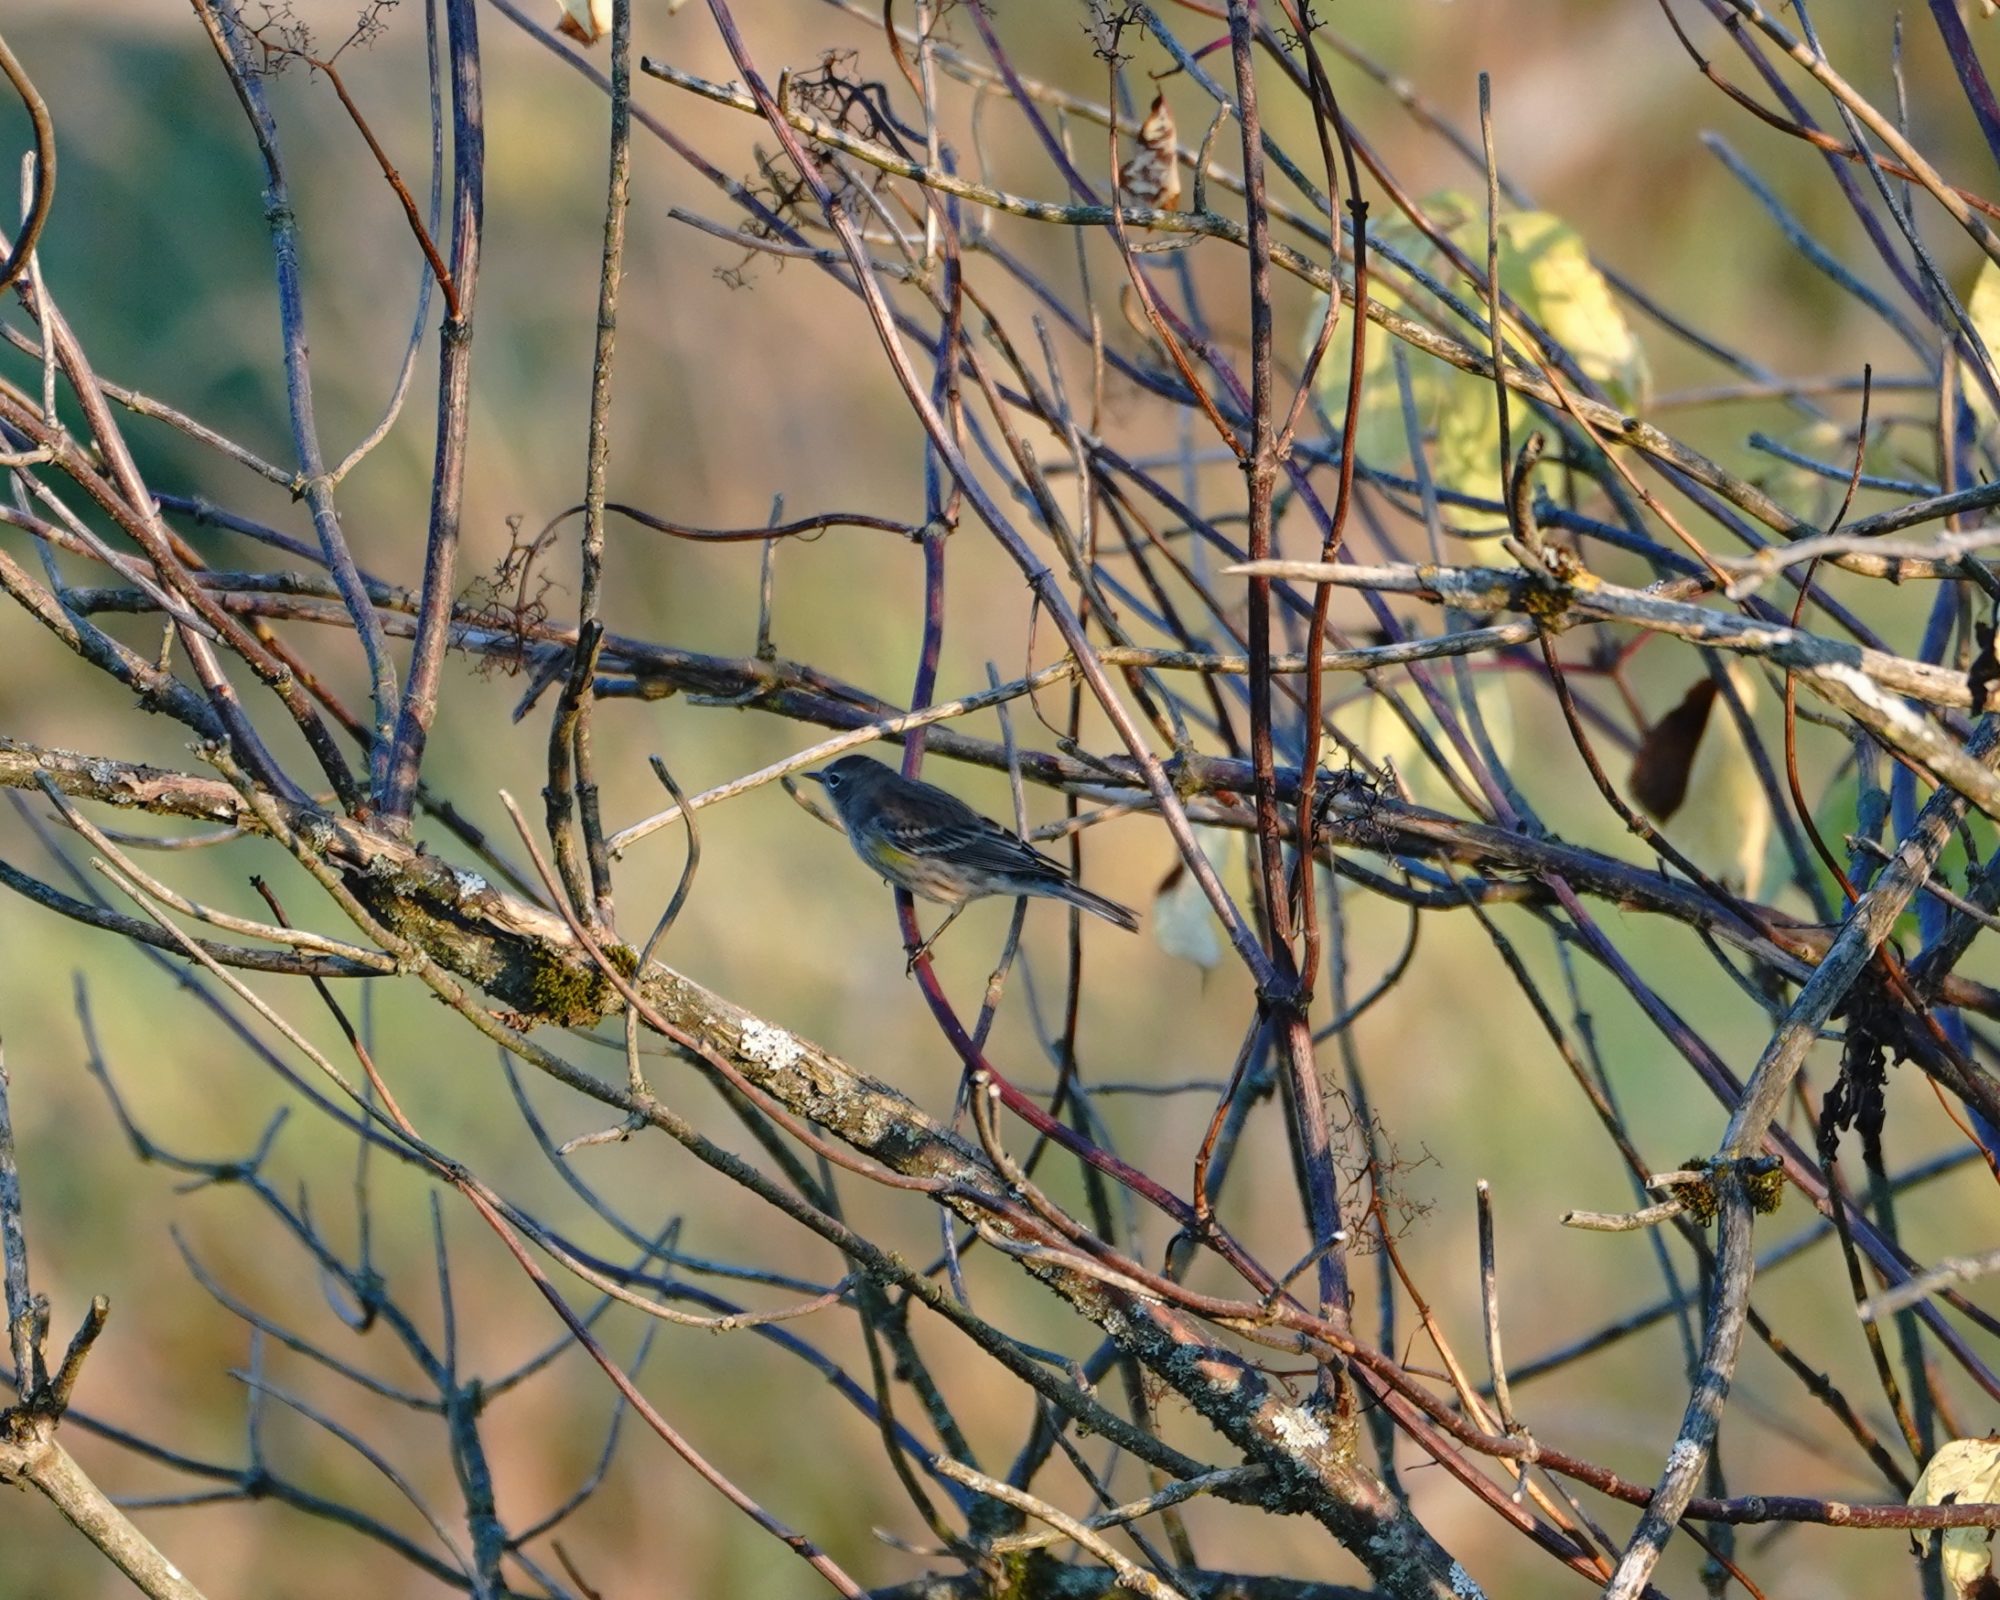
<point x="935" y="845"/>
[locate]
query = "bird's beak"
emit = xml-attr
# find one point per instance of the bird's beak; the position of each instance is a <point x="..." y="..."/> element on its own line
<point x="817" y="777"/>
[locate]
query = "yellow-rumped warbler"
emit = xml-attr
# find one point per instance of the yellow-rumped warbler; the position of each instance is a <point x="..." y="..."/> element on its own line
<point x="935" y="845"/>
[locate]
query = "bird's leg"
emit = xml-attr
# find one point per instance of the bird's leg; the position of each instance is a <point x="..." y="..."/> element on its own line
<point x="937" y="933"/>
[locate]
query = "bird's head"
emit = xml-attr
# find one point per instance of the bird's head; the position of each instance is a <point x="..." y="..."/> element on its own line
<point x="849" y="776"/>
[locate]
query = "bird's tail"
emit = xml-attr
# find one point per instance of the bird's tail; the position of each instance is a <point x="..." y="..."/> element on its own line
<point x="1109" y="910"/>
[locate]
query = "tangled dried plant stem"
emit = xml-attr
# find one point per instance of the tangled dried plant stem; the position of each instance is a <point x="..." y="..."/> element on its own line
<point x="1301" y="745"/>
<point x="30" y="1452"/>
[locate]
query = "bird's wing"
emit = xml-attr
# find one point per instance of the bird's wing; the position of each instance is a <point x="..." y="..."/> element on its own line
<point x="973" y="841"/>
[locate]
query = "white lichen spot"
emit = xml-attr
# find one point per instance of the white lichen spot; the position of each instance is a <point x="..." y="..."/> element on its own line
<point x="470" y="884"/>
<point x="1299" y="1430"/>
<point x="1866" y="690"/>
<point x="1462" y="1583"/>
<point x="1686" y="1456"/>
<point x="773" y="1047"/>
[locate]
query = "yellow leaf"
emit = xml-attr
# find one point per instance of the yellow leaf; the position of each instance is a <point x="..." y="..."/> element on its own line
<point x="1963" y="1470"/>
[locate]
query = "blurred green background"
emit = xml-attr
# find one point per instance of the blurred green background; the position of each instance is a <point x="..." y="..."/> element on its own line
<point x="729" y="394"/>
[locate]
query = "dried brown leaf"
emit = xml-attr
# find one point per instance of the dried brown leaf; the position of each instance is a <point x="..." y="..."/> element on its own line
<point x="1666" y="754"/>
<point x="1151" y="176"/>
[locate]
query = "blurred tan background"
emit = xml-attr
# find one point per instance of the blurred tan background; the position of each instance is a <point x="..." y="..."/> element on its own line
<point x="727" y="395"/>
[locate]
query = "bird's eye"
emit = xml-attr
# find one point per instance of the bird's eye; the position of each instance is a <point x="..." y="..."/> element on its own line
<point x="832" y="781"/>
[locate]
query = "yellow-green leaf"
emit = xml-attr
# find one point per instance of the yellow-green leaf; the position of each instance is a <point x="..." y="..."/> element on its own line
<point x="1184" y="923"/>
<point x="1546" y="271"/>
<point x="1384" y="735"/>
<point x="1812" y="495"/>
<point x="1983" y="307"/>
